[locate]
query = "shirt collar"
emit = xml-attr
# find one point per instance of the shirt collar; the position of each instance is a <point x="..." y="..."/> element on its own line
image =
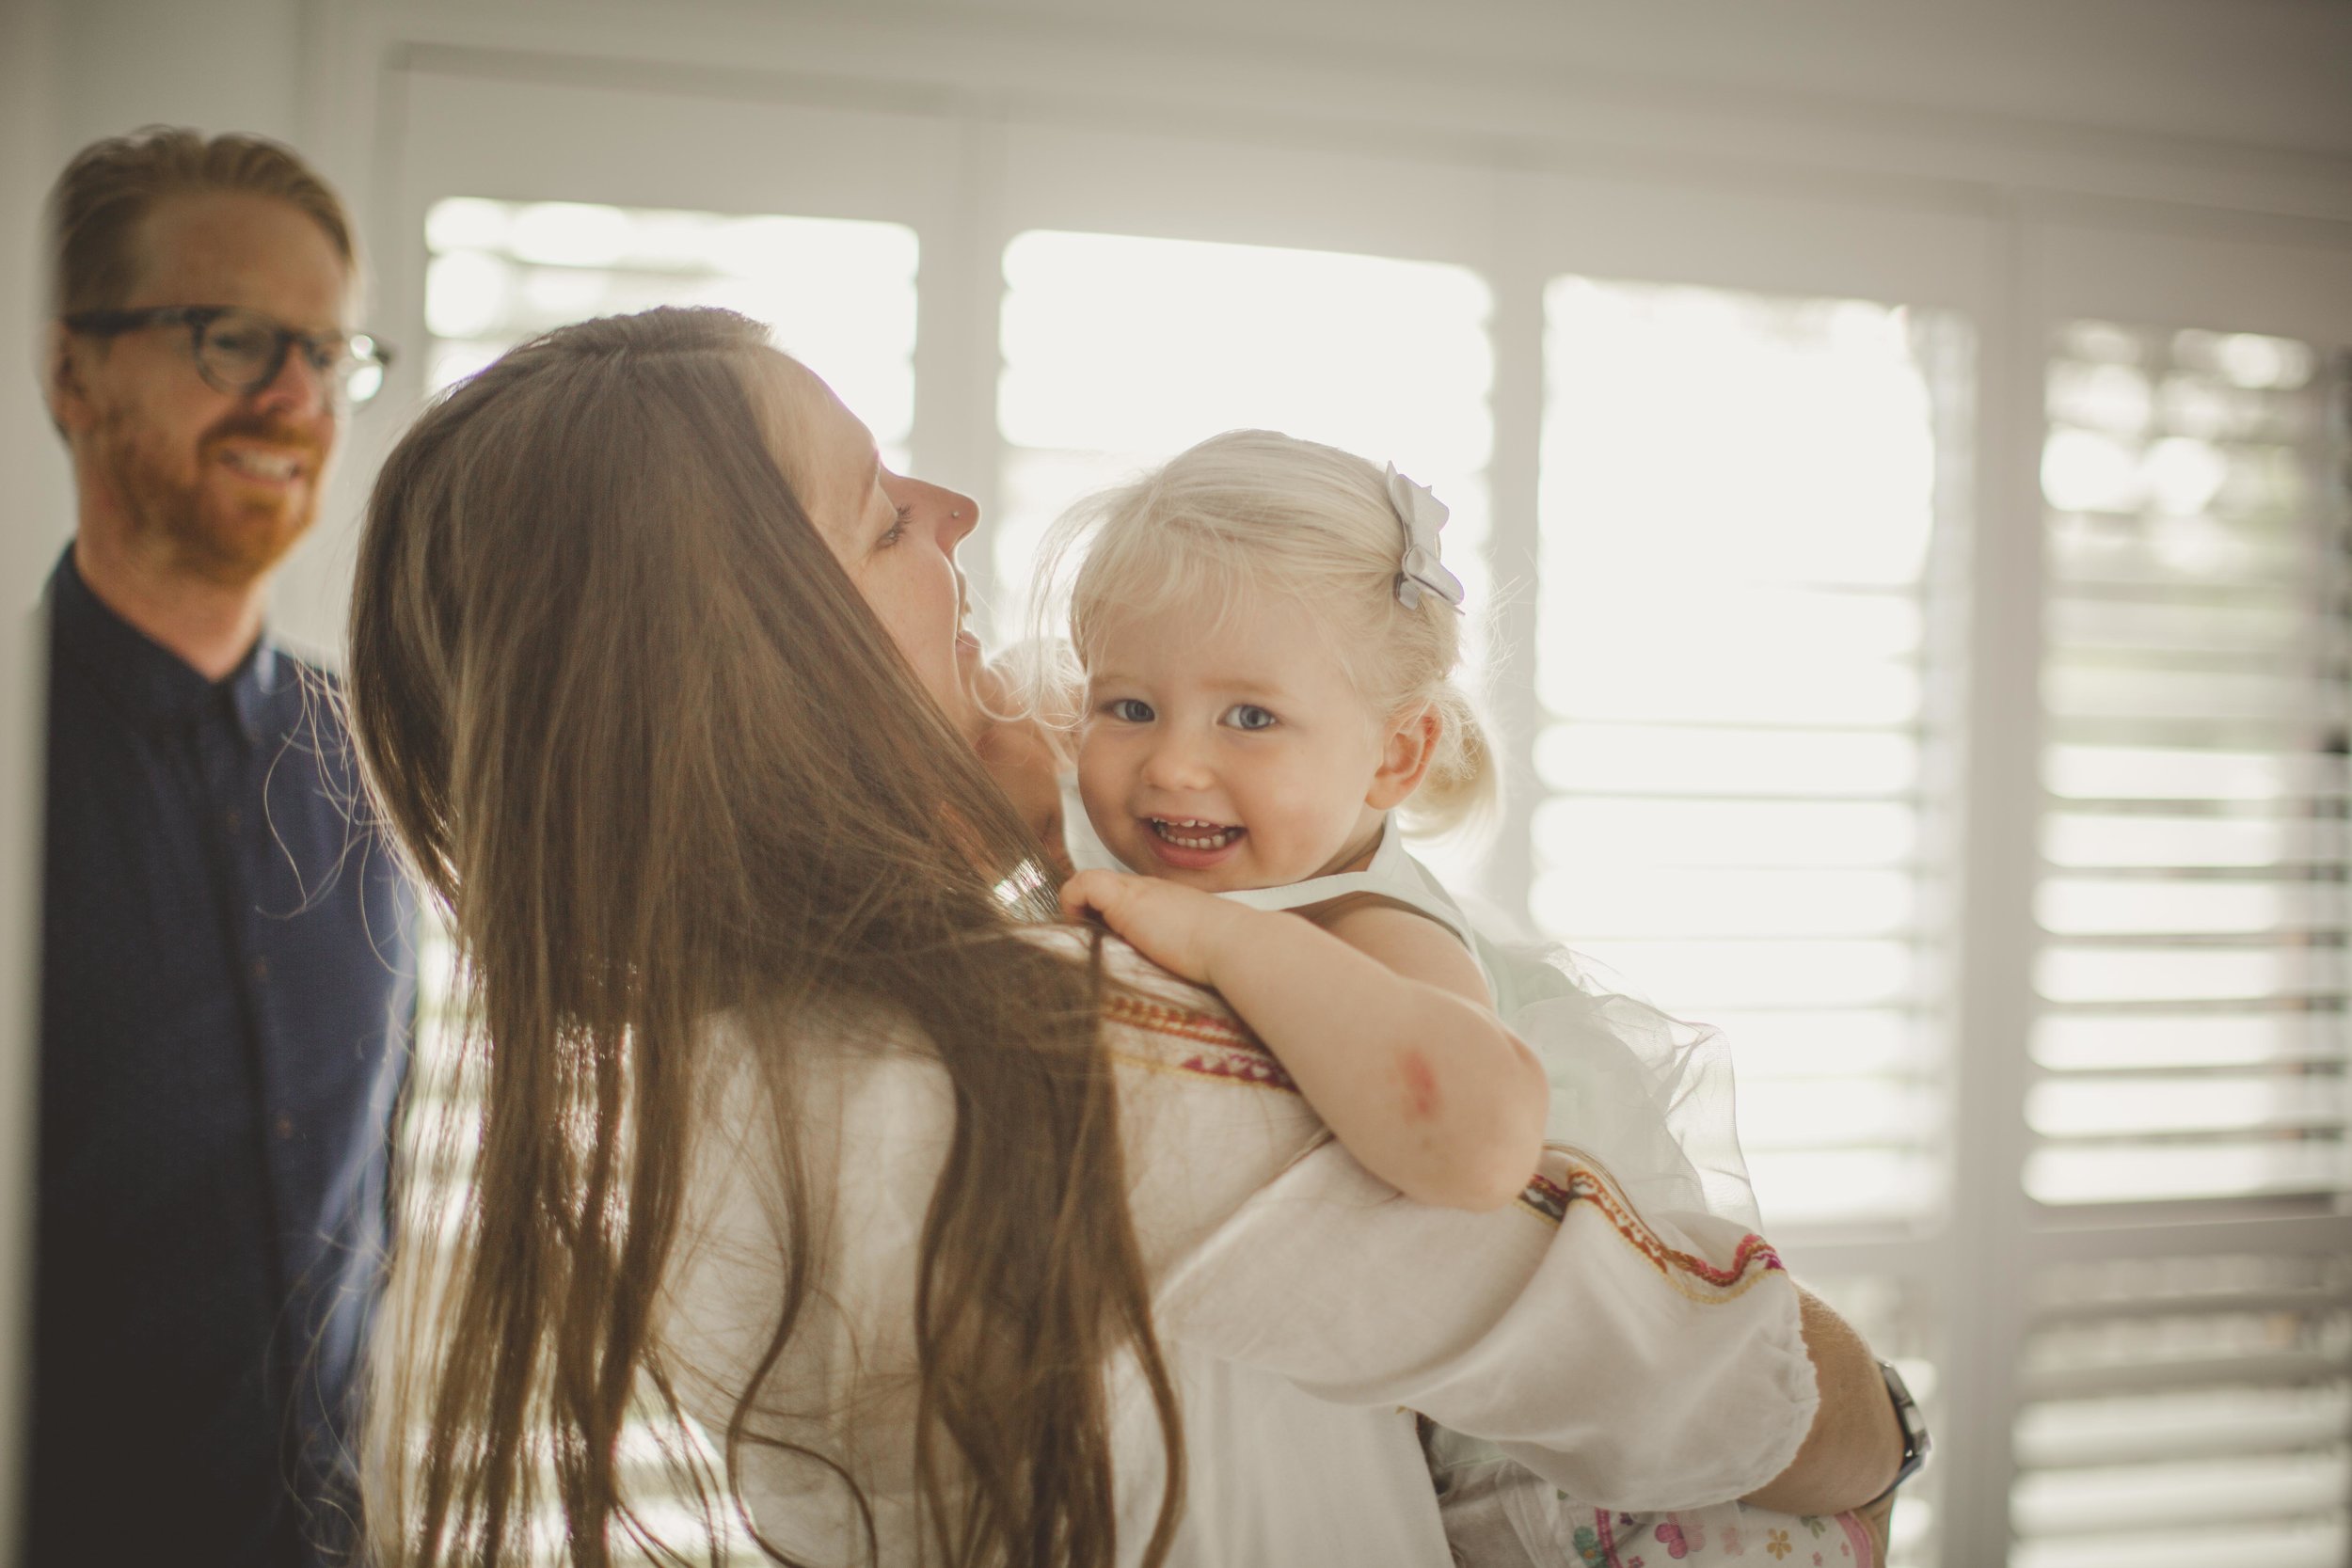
<point x="149" y="681"/>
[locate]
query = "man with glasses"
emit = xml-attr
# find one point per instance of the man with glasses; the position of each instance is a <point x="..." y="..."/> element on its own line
<point x="227" y="967"/>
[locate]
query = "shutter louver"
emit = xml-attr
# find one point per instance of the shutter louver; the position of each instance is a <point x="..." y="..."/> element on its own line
<point x="2192" y="973"/>
<point x="2190" y="1045"/>
<point x="1737" y="663"/>
<point x="2187" y="1410"/>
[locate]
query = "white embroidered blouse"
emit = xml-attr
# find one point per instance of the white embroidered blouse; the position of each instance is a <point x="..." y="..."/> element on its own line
<point x="1306" y="1311"/>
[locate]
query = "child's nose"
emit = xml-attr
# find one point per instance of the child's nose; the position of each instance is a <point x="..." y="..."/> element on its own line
<point x="1175" y="763"/>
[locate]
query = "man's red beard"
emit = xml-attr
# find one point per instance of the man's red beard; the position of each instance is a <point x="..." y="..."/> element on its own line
<point x="228" y="541"/>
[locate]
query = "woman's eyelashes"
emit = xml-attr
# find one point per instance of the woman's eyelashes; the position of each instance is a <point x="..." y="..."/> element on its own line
<point x="900" y="517"/>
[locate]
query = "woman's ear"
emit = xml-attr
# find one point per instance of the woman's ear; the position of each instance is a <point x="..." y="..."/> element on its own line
<point x="1411" y="747"/>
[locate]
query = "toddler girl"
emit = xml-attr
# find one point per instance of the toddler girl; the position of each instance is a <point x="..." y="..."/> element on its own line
<point x="1265" y="637"/>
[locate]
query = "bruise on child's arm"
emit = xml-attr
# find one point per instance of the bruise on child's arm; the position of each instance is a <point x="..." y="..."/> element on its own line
<point x="1415" y="947"/>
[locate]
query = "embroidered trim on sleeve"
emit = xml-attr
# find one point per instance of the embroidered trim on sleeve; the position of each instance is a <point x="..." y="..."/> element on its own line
<point x="1751" y="1260"/>
<point x="1221" y="1049"/>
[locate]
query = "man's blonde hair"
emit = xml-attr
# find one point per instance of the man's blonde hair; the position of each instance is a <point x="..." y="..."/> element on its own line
<point x="106" y="192"/>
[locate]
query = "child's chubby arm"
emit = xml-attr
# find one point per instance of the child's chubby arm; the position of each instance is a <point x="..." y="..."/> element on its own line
<point x="1382" y="1019"/>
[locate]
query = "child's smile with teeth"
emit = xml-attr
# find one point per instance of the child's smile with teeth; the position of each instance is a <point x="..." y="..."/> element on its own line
<point x="1190" y="833"/>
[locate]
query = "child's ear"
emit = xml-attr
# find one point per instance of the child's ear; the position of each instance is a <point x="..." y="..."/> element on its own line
<point x="1405" y="757"/>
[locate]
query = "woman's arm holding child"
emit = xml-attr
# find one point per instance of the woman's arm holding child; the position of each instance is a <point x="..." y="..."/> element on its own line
<point x="1382" y="1020"/>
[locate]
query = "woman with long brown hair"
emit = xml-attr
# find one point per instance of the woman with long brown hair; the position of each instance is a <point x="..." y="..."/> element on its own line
<point x="965" y="1238"/>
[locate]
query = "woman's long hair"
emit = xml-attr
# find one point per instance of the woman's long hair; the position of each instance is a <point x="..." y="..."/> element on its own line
<point x="655" y="760"/>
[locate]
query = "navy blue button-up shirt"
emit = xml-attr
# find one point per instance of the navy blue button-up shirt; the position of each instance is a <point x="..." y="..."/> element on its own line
<point x="227" y="980"/>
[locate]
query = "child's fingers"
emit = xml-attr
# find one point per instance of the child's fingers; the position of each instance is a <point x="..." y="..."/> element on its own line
<point x="1087" y="892"/>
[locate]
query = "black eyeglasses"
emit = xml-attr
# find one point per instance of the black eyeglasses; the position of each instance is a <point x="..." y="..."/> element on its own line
<point x="239" y="352"/>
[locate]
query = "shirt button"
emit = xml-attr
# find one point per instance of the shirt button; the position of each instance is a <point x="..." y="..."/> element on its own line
<point x="236" y="819"/>
<point x="283" y="1125"/>
<point x="261" y="968"/>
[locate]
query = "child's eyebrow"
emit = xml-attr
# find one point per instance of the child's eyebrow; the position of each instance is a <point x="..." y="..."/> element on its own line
<point x="1245" y="686"/>
<point x="1237" y="685"/>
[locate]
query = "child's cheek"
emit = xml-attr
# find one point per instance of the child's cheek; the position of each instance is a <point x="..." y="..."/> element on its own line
<point x="1101" y="781"/>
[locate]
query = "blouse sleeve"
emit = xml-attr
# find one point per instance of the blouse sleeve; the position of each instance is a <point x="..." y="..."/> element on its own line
<point x="1640" y="1362"/>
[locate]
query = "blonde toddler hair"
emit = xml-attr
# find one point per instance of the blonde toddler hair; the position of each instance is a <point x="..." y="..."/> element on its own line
<point x="1304" y="525"/>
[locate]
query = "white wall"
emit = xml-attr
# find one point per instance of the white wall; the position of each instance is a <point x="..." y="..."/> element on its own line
<point x="2262" y="72"/>
<point x="221" y="65"/>
<point x="35" y="492"/>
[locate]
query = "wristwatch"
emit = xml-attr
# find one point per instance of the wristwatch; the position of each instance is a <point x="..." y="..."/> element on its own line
<point x="1914" y="1429"/>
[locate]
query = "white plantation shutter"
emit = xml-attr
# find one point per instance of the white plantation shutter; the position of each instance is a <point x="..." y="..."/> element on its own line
<point x="1748" y="502"/>
<point x="2185" y="1382"/>
<point x="1741" y="514"/>
<point x="2186" y="1410"/>
<point x="2193" y="1033"/>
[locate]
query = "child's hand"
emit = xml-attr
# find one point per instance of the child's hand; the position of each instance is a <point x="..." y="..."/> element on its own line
<point x="1175" y="926"/>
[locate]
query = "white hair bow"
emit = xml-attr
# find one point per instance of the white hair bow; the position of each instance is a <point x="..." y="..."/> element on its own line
<point x="1423" y="514"/>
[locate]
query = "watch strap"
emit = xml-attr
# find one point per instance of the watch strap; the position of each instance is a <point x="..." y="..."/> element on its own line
<point x="1913" y="1426"/>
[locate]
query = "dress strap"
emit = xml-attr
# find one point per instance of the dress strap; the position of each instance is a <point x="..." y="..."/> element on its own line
<point x="1314" y="890"/>
<point x="1393" y="875"/>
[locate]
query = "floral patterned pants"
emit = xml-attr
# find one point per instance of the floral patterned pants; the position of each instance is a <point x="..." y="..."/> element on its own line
<point x="1501" y="1514"/>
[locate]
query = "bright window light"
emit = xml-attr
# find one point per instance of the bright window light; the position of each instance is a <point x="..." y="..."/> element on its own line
<point x="1739" y="498"/>
<point x="837" y="294"/>
<point x="1120" y="351"/>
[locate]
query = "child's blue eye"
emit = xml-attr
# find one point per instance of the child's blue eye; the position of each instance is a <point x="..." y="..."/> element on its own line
<point x="1129" y="710"/>
<point x="1248" y="715"/>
